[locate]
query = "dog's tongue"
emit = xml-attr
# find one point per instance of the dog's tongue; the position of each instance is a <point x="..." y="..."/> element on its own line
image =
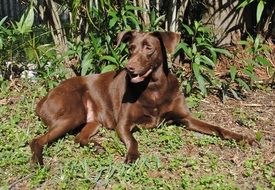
<point x="139" y="78"/>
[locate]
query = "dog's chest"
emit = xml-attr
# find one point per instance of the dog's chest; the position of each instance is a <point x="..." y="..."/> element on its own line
<point x="153" y="114"/>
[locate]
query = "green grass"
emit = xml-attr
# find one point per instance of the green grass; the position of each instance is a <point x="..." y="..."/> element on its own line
<point x="171" y="157"/>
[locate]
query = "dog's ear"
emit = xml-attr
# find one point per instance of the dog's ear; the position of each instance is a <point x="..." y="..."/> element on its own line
<point x="124" y="36"/>
<point x="170" y="40"/>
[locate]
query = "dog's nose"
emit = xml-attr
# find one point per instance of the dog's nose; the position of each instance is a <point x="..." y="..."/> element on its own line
<point x="130" y="68"/>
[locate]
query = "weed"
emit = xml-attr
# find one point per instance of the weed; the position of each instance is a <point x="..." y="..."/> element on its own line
<point x="245" y="119"/>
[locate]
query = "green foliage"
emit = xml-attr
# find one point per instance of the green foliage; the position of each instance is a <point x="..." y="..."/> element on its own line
<point x="21" y="43"/>
<point x="245" y="76"/>
<point x="257" y="50"/>
<point x="202" y="54"/>
<point x="155" y="21"/>
<point x="95" y="51"/>
<point x="260" y="7"/>
<point x="26" y="22"/>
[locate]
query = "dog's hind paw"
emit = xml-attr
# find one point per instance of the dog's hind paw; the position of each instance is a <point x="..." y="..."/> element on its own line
<point x="36" y="153"/>
<point x="253" y="142"/>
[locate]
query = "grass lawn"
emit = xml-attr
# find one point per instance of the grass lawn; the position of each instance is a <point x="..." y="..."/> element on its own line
<point x="171" y="157"/>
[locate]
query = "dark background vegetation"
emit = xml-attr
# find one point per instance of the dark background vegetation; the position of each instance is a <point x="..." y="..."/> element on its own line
<point x="43" y="36"/>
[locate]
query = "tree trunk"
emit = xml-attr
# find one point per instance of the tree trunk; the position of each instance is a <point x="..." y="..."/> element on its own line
<point x="145" y="16"/>
<point x="226" y="21"/>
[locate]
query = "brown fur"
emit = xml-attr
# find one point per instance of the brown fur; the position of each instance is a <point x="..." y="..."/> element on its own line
<point x="145" y="93"/>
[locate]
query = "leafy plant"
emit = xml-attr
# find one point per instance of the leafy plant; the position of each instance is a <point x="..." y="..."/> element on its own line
<point x="22" y="43"/>
<point x="95" y="51"/>
<point x="202" y="54"/>
<point x="257" y="51"/>
<point x="260" y="7"/>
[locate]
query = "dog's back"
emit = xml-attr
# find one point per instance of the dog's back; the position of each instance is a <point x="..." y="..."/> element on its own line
<point x="97" y="93"/>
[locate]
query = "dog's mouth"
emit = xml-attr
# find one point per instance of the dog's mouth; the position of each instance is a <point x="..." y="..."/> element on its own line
<point x="136" y="78"/>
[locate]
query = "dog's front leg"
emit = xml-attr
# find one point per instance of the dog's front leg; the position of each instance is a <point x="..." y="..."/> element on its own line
<point x="125" y="134"/>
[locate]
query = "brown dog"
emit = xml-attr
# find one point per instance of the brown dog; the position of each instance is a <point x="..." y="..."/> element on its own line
<point x="146" y="93"/>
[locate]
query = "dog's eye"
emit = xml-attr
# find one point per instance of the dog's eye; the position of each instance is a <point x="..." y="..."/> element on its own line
<point x="149" y="49"/>
<point x="132" y="48"/>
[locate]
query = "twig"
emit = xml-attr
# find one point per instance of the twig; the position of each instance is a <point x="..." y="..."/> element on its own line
<point x="18" y="181"/>
<point x="252" y="105"/>
<point x="269" y="132"/>
<point x="271" y="160"/>
<point x="257" y="105"/>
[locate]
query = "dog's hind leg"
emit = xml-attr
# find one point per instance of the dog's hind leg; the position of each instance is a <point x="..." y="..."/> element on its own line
<point x="203" y="127"/>
<point x="58" y="129"/>
<point x="182" y="115"/>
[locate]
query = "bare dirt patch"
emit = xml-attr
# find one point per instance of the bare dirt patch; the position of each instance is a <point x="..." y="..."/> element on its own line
<point x="254" y="115"/>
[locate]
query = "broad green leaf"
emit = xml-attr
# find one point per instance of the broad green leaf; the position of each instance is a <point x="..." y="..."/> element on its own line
<point x="153" y="15"/>
<point x="223" y="51"/>
<point x="260" y="9"/>
<point x="108" y="58"/>
<point x="235" y="94"/>
<point x="213" y="54"/>
<point x="256" y="43"/>
<point x="108" y="68"/>
<point x="134" y="8"/>
<point x="30" y="53"/>
<point x="244" y="3"/>
<point x="250" y="74"/>
<point x="133" y="20"/>
<point x="47" y="49"/>
<point x="199" y="77"/>
<point x="1" y="43"/>
<point x="112" y="13"/>
<point x="250" y="61"/>
<point x="3" y="20"/>
<point x="162" y="17"/>
<point x="206" y="60"/>
<point x="205" y="29"/>
<point x="26" y="22"/>
<point x="86" y="63"/>
<point x="112" y="22"/>
<point x="197" y="24"/>
<point x="188" y="29"/>
<point x="243" y="42"/>
<point x="233" y="72"/>
<point x="243" y="83"/>
<point x="188" y="87"/>
<point x="263" y="61"/>
<point x="185" y="48"/>
<point x="194" y="49"/>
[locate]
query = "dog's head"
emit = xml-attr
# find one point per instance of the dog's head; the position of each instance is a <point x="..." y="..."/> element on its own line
<point x="147" y="51"/>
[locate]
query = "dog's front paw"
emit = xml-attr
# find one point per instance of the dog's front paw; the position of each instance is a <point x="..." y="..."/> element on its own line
<point x="131" y="158"/>
<point x="81" y="140"/>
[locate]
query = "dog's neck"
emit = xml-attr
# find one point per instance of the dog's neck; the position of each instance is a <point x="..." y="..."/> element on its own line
<point x="158" y="79"/>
